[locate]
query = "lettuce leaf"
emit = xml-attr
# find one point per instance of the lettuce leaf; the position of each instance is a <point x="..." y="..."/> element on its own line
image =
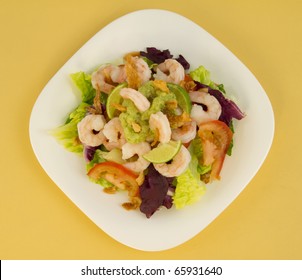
<point x="202" y="75"/>
<point x="230" y="149"/>
<point x="195" y="148"/>
<point x="104" y="183"/>
<point x="189" y="188"/>
<point x="83" y="81"/>
<point x="67" y="134"/>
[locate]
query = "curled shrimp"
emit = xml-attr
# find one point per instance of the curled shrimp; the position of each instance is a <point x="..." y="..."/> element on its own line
<point x="159" y="123"/>
<point x="90" y="130"/>
<point x="140" y="101"/>
<point x="114" y="133"/>
<point x="137" y="71"/>
<point x="170" y="71"/>
<point x="178" y="165"/>
<point x="129" y="150"/>
<point x="107" y="76"/>
<point x="210" y="108"/>
<point x="185" y="133"/>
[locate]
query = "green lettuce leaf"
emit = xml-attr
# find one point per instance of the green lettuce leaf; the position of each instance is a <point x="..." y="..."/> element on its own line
<point x="83" y="81"/>
<point x="189" y="188"/>
<point x="195" y="148"/>
<point x="202" y="75"/>
<point x="67" y="134"/>
<point x="230" y="149"/>
<point x="104" y="183"/>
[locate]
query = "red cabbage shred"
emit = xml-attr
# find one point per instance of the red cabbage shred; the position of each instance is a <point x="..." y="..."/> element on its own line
<point x="157" y="56"/>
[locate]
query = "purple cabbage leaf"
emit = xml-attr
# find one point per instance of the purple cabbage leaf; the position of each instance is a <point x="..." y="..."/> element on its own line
<point x="157" y="56"/>
<point x="154" y="192"/>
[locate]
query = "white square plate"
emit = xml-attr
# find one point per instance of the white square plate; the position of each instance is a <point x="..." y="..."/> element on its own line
<point x="133" y="32"/>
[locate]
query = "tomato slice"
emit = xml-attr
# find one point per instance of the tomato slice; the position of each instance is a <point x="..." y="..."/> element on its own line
<point x="216" y="138"/>
<point x="116" y="174"/>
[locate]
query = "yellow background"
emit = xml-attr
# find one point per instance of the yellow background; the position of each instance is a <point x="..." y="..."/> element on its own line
<point x="39" y="222"/>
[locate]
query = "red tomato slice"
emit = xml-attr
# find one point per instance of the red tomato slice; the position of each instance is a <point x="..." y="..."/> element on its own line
<point x="116" y="174"/>
<point x="216" y="138"/>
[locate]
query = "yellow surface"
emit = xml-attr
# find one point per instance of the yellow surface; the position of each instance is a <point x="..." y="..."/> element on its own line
<point x="39" y="222"/>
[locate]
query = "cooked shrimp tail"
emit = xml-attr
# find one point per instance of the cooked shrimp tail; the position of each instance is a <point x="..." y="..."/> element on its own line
<point x="107" y="77"/>
<point x="137" y="70"/>
<point x="130" y="150"/>
<point x="90" y="130"/>
<point x="185" y="133"/>
<point x="139" y="100"/>
<point x="178" y="165"/>
<point x="170" y="71"/>
<point x="159" y="123"/>
<point x="114" y="133"/>
<point x="206" y="107"/>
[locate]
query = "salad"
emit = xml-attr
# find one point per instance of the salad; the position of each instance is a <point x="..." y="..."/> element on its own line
<point x="152" y="127"/>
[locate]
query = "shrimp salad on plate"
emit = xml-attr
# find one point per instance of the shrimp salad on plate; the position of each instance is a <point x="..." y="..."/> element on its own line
<point x="152" y="127"/>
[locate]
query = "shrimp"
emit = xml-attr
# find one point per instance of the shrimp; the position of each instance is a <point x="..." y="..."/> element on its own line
<point x="90" y="130"/>
<point x="114" y="133"/>
<point x="185" y="133"/>
<point x="178" y="165"/>
<point x="139" y="100"/>
<point x="212" y="109"/>
<point x="159" y="122"/>
<point x="137" y="71"/>
<point x="129" y="150"/>
<point x="105" y="78"/>
<point x="170" y="71"/>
